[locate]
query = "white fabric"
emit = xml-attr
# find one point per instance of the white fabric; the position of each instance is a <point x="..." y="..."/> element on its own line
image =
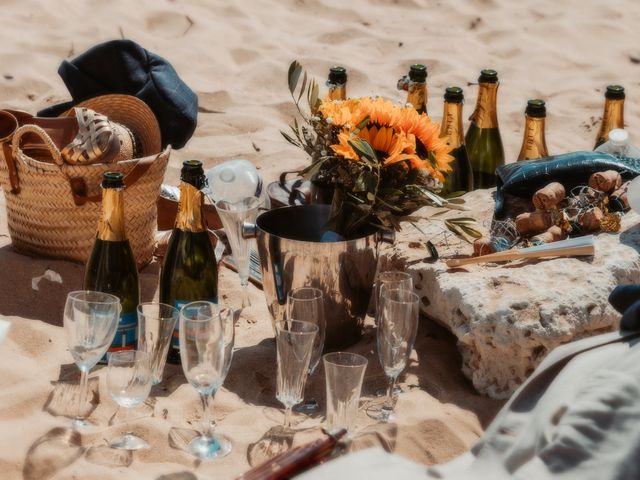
<point x="4" y="328"/>
<point x="577" y="417"/>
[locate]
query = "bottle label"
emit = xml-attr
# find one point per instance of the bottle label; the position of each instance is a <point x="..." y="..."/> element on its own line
<point x="534" y="144"/>
<point x="111" y="222"/>
<point x="613" y="117"/>
<point x="175" y="339"/>
<point x="126" y="335"/>
<point x="452" y="125"/>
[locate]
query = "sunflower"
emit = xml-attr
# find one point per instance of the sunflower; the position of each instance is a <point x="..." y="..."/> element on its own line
<point x="395" y="146"/>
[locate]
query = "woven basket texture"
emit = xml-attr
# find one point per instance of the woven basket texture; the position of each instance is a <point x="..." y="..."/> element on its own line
<point x="45" y="221"/>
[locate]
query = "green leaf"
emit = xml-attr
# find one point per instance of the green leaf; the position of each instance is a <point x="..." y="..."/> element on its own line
<point x="312" y="170"/>
<point x="472" y="232"/>
<point x="463" y="220"/>
<point x="304" y="85"/>
<point x="295" y="69"/>
<point x="451" y="195"/>
<point x="456" y="201"/>
<point x="363" y="147"/>
<point x="290" y="140"/>
<point x="314" y="102"/>
<point x="363" y="123"/>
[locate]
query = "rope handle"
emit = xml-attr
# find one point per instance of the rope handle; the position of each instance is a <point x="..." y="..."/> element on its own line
<point x="44" y="136"/>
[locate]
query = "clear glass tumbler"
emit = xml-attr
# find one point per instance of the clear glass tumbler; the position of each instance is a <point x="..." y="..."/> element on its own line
<point x="344" y="373"/>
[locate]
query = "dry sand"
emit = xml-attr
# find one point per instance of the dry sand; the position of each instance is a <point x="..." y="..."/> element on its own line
<point x="236" y="56"/>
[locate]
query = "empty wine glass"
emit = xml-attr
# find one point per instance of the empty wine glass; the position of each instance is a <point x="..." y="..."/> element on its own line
<point x="90" y="323"/>
<point x="233" y="215"/>
<point x="294" y="344"/>
<point x="228" y="320"/>
<point x="344" y="374"/>
<point x="202" y="352"/>
<point x="397" y="328"/>
<point x="129" y="379"/>
<point x="156" y="323"/>
<point x="307" y="304"/>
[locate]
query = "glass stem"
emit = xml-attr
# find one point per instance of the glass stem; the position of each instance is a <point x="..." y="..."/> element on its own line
<point x="388" y="404"/>
<point x="127" y="422"/>
<point x="207" y="430"/>
<point x="246" y="302"/>
<point x="287" y="418"/>
<point x="84" y="387"/>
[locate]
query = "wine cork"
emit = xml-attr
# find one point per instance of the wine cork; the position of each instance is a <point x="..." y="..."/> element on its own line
<point x="619" y="201"/>
<point x="535" y="222"/>
<point x="482" y="246"/>
<point x="549" y="197"/>
<point x="605" y="181"/>
<point x="590" y="221"/>
<point x="553" y="234"/>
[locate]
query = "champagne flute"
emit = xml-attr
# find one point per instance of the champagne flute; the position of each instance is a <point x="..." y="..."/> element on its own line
<point x="156" y="323"/>
<point x="307" y="304"/>
<point x="233" y="215"/>
<point x="397" y="328"/>
<point x="203" y="361"/>
<point x="129" y="380"/>
<point x="90" y="323"/>
<point x="389" y="280"/>
<point x="294" y="343"/>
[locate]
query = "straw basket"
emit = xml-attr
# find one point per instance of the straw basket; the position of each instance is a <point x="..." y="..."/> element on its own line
<point x="54" y="212"/>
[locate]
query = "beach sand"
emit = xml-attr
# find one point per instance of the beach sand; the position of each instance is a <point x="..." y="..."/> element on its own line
<point x="235" y="56"/>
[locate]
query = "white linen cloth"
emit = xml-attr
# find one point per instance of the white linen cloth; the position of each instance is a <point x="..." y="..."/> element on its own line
<point x="576" y="417"/>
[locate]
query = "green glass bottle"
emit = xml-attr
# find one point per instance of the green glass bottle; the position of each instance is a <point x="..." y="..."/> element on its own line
<point x="484" y="144"/>
<point x="460" y="179"/>
<point x="111" y="267"/>
<point x="534" y="143"/>
<point x="189" y="271"/>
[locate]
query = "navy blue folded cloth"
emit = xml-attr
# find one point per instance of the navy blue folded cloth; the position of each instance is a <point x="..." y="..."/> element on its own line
<point x="124" y="67"/>
<point x="626" y="300"/>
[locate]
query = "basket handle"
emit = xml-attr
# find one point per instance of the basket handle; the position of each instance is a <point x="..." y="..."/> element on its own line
<point x="44" y="136"/>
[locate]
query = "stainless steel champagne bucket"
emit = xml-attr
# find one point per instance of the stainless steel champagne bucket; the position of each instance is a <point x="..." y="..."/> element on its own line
<point x="291" y="256"/>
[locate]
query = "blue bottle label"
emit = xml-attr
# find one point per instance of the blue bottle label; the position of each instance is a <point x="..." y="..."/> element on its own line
<point x="126" y="335"/>
<point x="175" y="339"/>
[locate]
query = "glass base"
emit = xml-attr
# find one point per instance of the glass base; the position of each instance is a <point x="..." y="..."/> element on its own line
<point x="217" y="446"/>
<point x="129" y="441"/>
<point x="382" y="392"/>
<point x="81" y="424"/>
<point x="381" y="413"/>
<point x="307" y="406"/>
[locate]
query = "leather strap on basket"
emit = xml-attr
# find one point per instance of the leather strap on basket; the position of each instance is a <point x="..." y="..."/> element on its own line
<point x="11" y="167"/>
<point x="79" y="187"/>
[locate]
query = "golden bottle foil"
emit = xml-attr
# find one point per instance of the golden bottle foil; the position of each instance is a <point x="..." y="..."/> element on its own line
<point x="417" y="95"/>
<point x="451" y="128"/>
<point x="189" y="217"/>
<point x="485" y="115"/>
<point x="534" y="144"/>
<point x="337" y="91"/>
<point x="613" y="117"/>
<point x="111" y="222"/>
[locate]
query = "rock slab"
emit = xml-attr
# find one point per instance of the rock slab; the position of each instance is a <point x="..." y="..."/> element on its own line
<point x="507" y="317"/>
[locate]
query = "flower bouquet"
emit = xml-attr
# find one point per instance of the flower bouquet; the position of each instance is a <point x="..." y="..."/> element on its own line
<point x="381" y="161"/>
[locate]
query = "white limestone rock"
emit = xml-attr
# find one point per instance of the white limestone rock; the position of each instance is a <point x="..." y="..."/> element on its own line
<point x="508" y="317"/>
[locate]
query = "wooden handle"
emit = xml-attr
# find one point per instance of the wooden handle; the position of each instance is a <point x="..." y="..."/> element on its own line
<point x="563" y="251"/>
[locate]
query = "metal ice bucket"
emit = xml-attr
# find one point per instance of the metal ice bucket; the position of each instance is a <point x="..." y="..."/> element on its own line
<point x="291" y="256"/>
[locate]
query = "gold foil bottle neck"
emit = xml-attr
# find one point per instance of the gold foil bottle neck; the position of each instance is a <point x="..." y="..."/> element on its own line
<point x="534" y="144"/>
<point x="485" y="115"/>
<point x="613" y="117"/>
<point x="337" y="91"/>
<point x="417" y="95"/>
<point x="451" y="128"/>
<point x="111" y="223"/>
<point x="189" y="217"/>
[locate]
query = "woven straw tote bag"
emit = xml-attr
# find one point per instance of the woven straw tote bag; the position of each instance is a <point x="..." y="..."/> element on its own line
<point x="53" y="210"/>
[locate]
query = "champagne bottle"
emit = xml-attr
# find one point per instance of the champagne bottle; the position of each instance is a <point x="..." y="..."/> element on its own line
<point x="613" y="116"/>
<point x="461" y="176"/>
<point x="189" y="271"/>
<point x="415" y="83"/>
<point x="111" y="267"/>
<point x="483" y="140"/>
<point x="337" y="83"/>
<point x="534" y="144"/>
